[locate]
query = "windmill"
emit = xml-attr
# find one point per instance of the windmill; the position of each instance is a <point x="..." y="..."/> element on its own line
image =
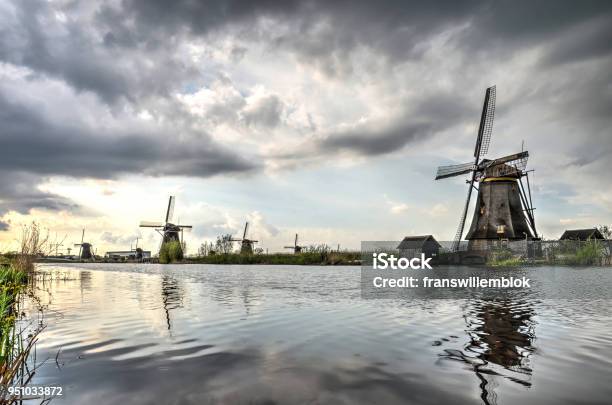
<point x="169" y="231"/>
<point x="296" y="248"/>
<point x="85" y="252"/>
<point x="503" y="209"/>
<point x="246" y="245"/>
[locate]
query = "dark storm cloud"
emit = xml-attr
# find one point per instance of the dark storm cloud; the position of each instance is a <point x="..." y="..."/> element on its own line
<point x="20" y="193"/>
<point x="374" y="142"/>
<point x="511" y="24"/>
<point x="86" y="57"/>
<point x="29" y="142"/>
<point x="397" y="29"/>
<point x="423" y="119"/>
<point x="320" y="32"/>
<point x="108" y="53"/>
<point x="586" y="41"/>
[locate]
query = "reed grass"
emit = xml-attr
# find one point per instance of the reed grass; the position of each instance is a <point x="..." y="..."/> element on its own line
<point x="15" y="346"/>
<point x="591" y="253"/>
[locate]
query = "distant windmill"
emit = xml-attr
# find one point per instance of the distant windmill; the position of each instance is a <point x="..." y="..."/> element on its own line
<point x="296" y="248"/>
<point x="169" y="231"/>
<point x="246" y="245"/>
<point x="503" y="209"/>
<point x="85" y="252"/>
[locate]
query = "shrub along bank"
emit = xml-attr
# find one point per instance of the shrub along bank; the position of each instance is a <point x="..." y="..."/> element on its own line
<point x="306" y="258"/>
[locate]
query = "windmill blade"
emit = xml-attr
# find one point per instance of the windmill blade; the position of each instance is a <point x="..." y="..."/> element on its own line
<point x="515" y="167"/>
<point x="246" y="228"/>
<point x="459" y="233"/>
<point x="513" y="164"/>
<point x="486" y="124"/>
<point x="296" y="238"/>
<point x="454" y="170"/>
<point x="185" y="228"/>
<point x="515" y="157"/>
<point x="170" y="211"/>
<point x="150" y="224"/>
<point x="288" y="247"/>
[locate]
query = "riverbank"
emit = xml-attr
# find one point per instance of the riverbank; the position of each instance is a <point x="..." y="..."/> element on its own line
<point x="567" y="253"/>
<point x="303" y="259"/>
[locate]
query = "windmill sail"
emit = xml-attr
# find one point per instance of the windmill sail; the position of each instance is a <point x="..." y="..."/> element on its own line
<point x="170" y="211"/>
<point x="486" y="124"/>
<point x="461" y="226"/>
<point x="150" y="224"/>
<point x="81" y="244"/>
<point x="454" y="170"/>
<point x="246" y="228"/>
<point x="517" y="161"/>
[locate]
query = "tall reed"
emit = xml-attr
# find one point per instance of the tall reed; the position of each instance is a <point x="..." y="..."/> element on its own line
<point x="16" y="345"/>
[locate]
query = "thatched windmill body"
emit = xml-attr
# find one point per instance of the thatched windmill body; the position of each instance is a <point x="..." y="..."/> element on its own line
<point x="296" y="248"/>
<point x="504" y="209"/>
<point x="85" y="251"/>
<point x="246" y="245"/>
<point x="169" y="232"/>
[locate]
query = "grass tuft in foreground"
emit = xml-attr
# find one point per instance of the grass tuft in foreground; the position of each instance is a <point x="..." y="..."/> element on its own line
<point x="15" y="347"/>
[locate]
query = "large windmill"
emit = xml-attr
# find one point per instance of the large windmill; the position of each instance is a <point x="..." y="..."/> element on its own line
<point x="246" y="245"/>
<point x="85" y="252"/>
<point x="503" y="209"/>
<point x="169" y="231"/>
<point x="296" y="248"/>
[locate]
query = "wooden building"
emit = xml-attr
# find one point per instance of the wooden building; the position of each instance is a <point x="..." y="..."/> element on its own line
<point x="582" y="234"/>
<point x="413" y="246"/>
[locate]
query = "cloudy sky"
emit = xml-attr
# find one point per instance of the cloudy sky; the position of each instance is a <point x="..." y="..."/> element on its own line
<point x="323" y="118"/>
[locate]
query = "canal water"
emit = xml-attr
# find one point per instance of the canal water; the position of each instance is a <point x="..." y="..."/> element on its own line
<point x="205" y="334"/>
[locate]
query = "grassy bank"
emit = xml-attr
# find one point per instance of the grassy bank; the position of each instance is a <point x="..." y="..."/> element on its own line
<point x="590" y="253"/>
<point x="16" y="343"/>
<point x="14" y="346"/>
<point x="307" y="258"/>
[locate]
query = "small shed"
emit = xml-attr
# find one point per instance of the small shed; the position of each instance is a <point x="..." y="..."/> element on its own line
<point x="413" y="246"/>
<point x="582" y="234"/>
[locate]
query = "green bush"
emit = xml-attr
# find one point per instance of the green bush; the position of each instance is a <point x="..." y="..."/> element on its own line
<point x="171" y="252"/>
<point x="503" y="257"/>
<point x="506" y="262"/>
<point x="589" y="254"/>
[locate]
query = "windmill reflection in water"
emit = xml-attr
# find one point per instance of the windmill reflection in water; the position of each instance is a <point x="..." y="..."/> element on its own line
<point x="501" y="333"/>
